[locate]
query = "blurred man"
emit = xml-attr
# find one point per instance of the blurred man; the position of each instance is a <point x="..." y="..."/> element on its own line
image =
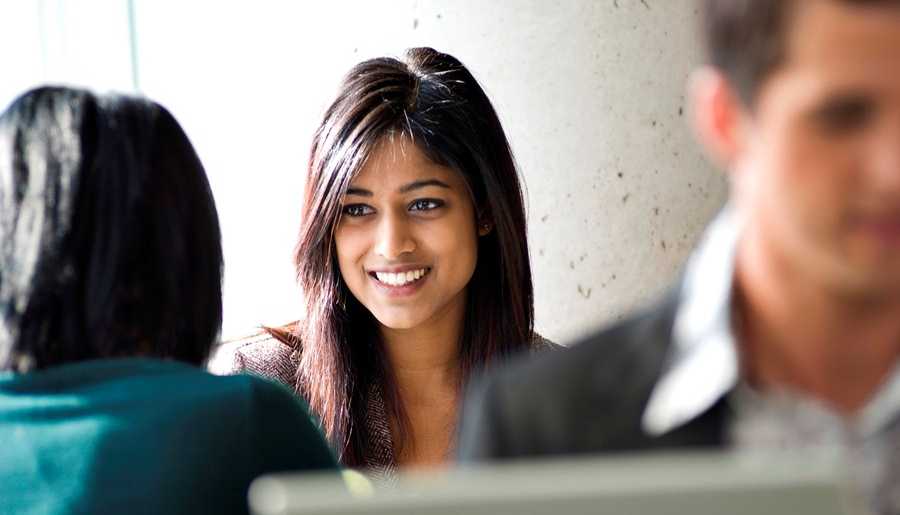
<point x="785" y="328"/>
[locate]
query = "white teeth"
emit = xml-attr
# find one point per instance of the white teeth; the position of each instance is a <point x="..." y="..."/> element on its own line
<point x="402" y="278"/>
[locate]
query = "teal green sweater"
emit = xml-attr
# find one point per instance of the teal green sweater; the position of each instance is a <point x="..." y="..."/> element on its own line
<point x="146" y="436"/>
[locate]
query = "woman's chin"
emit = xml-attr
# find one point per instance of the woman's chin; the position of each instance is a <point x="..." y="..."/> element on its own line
<point x="398" y="321"/>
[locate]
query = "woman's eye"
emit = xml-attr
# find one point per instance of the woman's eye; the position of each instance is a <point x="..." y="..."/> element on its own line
<point x="356" y="210"/>
<point x="425" y="204"/>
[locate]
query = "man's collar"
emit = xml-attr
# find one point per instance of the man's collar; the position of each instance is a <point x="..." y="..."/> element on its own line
<point x="884" y="407"/>
<point x="703" y="364"/>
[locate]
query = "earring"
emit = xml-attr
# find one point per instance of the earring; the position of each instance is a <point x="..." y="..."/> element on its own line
<point x="485" y="228"/>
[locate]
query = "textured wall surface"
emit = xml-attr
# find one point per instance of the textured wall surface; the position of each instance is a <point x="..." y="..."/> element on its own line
<point x="590" y="92"/>
<point x="593" y="99"/>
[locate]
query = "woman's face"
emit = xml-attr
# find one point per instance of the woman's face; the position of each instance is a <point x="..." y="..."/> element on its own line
<point x="407" y="238"/>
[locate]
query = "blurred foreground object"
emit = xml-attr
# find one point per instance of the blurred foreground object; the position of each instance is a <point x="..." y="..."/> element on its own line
<point x="662" y="484"/>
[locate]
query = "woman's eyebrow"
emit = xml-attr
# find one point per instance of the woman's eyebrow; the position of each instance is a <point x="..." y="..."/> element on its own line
<point x="422" y="184"/>
<point x="359" y="191"/>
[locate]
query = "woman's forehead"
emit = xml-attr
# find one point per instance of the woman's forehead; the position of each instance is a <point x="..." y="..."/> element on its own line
<point x="397" y="162"/>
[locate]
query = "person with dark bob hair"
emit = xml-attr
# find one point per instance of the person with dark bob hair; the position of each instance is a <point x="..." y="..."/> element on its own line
<point x="412" y="259"/>
<point x="110" y="300"/>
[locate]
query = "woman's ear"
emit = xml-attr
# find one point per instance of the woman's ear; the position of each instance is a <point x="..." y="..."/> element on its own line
<point x="485" y="221"/>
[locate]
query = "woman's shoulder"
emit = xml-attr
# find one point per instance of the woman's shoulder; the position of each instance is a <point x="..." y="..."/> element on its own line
<point x="539" y="344"/>
<point x="262" y="353"/>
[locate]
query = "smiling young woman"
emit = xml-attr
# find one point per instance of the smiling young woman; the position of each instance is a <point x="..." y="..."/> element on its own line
<point x="412" y="258"/>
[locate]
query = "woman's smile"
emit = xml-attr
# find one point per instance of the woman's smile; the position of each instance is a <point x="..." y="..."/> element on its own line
<point x="400" y="282"/>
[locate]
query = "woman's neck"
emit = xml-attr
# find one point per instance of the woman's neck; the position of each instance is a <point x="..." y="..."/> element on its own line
<point x="425" y="359"/>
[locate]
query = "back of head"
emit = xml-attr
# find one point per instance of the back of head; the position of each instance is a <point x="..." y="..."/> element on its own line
<point x="109" y="239"/>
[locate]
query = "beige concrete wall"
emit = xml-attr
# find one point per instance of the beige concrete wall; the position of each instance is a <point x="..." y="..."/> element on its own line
<point x="590" y="93"/>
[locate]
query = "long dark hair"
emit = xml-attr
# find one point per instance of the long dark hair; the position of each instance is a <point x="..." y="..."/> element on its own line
<point x="435" y="101"/>
<point x="109" y="238"/>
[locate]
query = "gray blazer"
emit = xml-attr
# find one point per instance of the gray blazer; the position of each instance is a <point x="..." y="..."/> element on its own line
<point x="589" y="399"/>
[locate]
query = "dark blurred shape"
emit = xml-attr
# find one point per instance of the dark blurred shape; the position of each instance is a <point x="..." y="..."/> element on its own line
<point x="110" y="291"/>
<point x="110" y="238"/>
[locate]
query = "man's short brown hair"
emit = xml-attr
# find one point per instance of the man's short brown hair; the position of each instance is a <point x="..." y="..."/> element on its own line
<point x="747" y="39"/>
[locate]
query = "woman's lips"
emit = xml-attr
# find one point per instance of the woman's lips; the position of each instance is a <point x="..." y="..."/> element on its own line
<point x="402" y="282"/>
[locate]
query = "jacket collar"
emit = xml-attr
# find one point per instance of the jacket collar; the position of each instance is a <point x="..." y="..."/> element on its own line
<point x="703" y="363"/>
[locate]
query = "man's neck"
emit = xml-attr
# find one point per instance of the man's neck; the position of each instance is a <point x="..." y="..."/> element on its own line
<point x="796" y="333"/>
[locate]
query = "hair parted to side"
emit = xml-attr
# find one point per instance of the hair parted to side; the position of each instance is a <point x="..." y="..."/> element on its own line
<point x="747" y="39"/>
<point x="434" y="101"/>
<point x="109" y="238"/>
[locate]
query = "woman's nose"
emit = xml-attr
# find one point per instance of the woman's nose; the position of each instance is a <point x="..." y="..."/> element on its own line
<point x="393" y="238"/>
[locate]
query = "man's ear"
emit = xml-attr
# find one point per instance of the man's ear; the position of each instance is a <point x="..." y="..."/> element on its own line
<point x="718" y="116"/>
